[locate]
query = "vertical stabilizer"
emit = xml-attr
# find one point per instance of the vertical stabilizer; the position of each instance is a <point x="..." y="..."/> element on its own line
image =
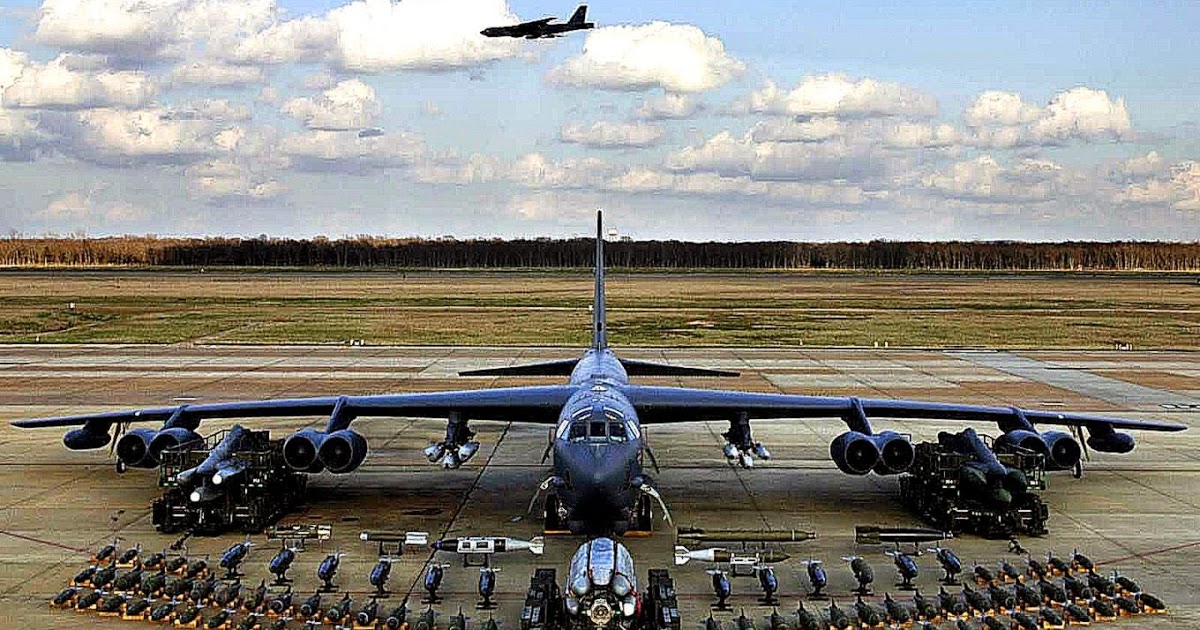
<point x="599" y="335"/>
<point x="579" y="16"/>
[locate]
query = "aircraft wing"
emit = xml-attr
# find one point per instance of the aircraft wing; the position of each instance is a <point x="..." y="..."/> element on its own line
<point x="539" y="405"/>
<point x="675" y="404"/>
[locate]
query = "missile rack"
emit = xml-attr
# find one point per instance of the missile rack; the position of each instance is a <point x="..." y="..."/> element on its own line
<point x="267" y="490"/>
<point x="930" y="489"/>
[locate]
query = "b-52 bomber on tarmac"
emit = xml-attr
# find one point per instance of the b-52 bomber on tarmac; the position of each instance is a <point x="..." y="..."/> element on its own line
<point x="598" y="483"/>
<point x="542" y="29"/>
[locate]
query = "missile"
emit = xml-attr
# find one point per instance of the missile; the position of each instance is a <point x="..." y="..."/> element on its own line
<point x="695" y="535"/>
<point x="489" y="544"/>
<point x="221" y="463"/>
<point x="683" y="555"/>
<point x="878" y="535"/>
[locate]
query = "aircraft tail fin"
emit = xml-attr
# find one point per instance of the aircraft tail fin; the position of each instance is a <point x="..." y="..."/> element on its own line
<point x="565" y="367"/>
<point x="549" y="368"/>
<point x="599" y="335"/>
<point x="648" y="368"/>
<point x="579" y="16"/>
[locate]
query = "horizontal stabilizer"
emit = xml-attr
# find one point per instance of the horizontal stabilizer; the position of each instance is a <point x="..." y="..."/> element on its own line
<point x="549" y="368"/>
<point x="646" y="368"/>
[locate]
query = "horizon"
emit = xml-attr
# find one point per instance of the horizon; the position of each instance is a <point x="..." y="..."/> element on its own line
<point x="850" y="122"/>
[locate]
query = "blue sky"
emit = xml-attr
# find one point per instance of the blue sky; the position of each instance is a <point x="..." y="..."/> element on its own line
<point x="701" y="120"/>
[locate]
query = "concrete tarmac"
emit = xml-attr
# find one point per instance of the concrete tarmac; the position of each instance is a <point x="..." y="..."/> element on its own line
<point x="1138" y="513"/>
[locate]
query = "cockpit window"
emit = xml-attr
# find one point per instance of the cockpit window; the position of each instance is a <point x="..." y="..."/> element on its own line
<point x="595" y="425"/>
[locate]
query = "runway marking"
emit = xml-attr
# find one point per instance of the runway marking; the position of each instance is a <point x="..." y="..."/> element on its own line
<point x="1155" y="552"/>
<point x="40" y="541"/>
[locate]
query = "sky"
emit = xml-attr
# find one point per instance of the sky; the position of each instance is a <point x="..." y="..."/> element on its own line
<point x="851" y="120"/>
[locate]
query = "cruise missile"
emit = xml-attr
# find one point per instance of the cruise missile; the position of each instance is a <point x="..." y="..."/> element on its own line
<point x="877" y="535"/>
<point x="683" y="555"/>
<point x="489" y="544"/>
<point x="695" y="535"/>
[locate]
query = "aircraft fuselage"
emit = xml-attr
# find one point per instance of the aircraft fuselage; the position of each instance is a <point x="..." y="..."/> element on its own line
<point x="598" y="447"/>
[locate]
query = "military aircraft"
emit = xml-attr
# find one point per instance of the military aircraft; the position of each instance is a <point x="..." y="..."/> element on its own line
<point x="542" y="28"/>
<point x="598" y="483"/>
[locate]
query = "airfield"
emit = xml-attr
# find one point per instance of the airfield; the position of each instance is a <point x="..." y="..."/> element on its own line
<point x="1137" y="513"/>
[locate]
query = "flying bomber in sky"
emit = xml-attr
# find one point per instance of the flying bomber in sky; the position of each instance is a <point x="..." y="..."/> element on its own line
<point x="539" y="29"/>
<point x="597" y="481"/>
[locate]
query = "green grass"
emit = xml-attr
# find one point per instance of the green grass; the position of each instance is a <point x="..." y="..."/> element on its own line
<point x="651" y="309"/>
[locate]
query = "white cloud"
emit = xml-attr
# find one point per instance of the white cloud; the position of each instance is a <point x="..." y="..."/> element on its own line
<point x="1139" y="168"/>
<point x="17" y="128"/>
<point x="80" y="206"/>
<point x="154" y="134"/>
<point x="985" y="180"/>
<point x="644" y="180"/>
<point x="351" y="151"/>
<point x="669" y="106"/>
<point x="215" y="73"/>
<point x="225" y="179"/>
<point x="793" y="130"/>
<point x="1005" y="120"/>
<point x="840" y="158"/>
<point x="382" y="35"/>
<point x="994" y="108"/>
<point x="840" y="96"/>
<point x="74" y="82"/>
<point x="150" y="28"/>
<point x="535" y="170"/>
<point x="723" y="154"/>
<point x="1180" y="189"/>
<point x="216" y="109"/>
<point x="675" y="57"/>
<point x="911" y="135"/>
<point x="350" y="104"/>
<point x="610" y="135"/>
<point x="476" y="169"/>
<point x="1083" y="113"/>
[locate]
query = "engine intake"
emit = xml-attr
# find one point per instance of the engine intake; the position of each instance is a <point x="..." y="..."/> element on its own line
<point x="1064" y="450"/>
<point x="170" y="438"/>
<point x="343" y="451"/>
<point x="133" y="449"/>
<point x="1061" y="450"/>
<point x="301" y="448"/>
<point x="142" y="448"/>
<point x="854" y="453"/>
<point x="896" y="453"/>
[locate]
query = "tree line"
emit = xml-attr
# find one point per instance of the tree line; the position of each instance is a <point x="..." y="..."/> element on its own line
<point x="447" y="253"/>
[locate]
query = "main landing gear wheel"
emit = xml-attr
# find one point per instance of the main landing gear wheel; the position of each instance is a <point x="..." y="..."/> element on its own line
<point x="644" y="519"/>
<point x="551" y="521"/>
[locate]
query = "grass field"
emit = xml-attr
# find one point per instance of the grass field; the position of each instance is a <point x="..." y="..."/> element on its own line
<point x="646" y="309"/>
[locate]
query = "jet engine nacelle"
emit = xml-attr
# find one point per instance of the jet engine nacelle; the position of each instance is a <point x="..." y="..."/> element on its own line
<point x="343" y="451"/>
<point x="133" y="449"/>
<point x="1064" y="451"/>
<point x="1061" y="450"/>
<point x="301" y="450"/>
<point x="141" y="448"/>
<point x="170" y="438"/>
<point x="86" y="438"/>
<point x="1111" y="442"/>
<point x="896" y="453"/>
<point x="854" y="453"/>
